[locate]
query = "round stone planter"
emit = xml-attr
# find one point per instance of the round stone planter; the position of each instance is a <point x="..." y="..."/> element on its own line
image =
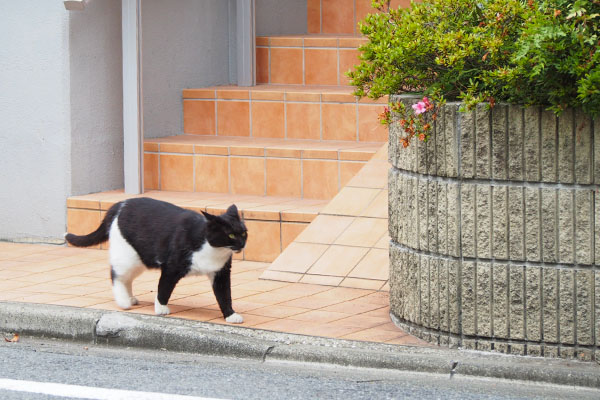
<point x="495" y="231"/>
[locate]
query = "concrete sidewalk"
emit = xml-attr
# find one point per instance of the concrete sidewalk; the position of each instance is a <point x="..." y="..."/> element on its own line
<point x="61" y="292"/>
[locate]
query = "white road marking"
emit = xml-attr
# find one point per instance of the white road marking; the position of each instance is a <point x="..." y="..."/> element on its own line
<point x="88" y="392"/>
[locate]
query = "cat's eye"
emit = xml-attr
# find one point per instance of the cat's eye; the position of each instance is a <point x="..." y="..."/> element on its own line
<point x="244" y="234"/>
<point x="231" y="236"/>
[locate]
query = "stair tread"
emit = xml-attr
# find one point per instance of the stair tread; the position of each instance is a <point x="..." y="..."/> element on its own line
<point x="312" y="40"/>
<point x="235" y="145"/>
<point x="267" y="87"/>
<point x="270" y="208"/>
<point x="316" y="35"/>
<point x="333" y="93"/>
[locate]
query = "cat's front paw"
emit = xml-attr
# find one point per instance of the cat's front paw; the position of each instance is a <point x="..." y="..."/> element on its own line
<point x="134" y="301"/>
<point x="235" y="318"/>
<point x="159" y="309"/>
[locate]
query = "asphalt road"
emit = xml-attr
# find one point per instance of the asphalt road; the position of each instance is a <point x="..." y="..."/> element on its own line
<point x="81" y="369"/>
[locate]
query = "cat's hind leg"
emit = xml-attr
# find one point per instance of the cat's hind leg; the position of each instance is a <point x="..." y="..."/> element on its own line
<point x="122" y="285"/>
<point x="121" y="293"/>
<point x="134" y="273"/>
<point x="126" y="265"/>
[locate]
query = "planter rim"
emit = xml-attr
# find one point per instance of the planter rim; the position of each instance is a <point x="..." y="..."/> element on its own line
<point x="414" y="96"/>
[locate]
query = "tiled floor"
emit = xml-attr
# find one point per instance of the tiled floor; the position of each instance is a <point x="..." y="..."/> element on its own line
<point x="80" y="278"/>
<point x="347" y="244"/>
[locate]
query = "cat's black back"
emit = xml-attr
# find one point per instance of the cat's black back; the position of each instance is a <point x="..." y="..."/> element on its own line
<point x="157" y="229"/>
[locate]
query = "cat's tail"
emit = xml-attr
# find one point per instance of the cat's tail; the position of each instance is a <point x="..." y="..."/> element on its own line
<point x="100" y="235"/>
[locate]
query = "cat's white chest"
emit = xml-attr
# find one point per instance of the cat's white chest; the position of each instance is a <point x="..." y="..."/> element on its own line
<point x="209" y="259"/>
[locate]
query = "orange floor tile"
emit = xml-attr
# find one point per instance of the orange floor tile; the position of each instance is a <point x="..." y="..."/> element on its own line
<point x="80" y="278"/>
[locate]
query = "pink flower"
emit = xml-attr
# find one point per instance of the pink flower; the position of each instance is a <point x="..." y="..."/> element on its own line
<point x="419" y="108"/>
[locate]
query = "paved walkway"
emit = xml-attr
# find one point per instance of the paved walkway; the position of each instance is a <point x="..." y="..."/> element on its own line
<point x="80" y="278"/>
<point x="347" y="244"/>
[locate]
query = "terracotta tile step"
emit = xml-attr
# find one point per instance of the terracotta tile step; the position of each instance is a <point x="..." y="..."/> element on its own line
<point x="283" y="112"/>
<point x="306" y="59"/>
<point x="272" y="222"/>
<point x="341" y="16"/>
<point x="264" y="147"/>
<point x="291" y="93"/>
<point x="351" y="41"/>
<point x="253" y="166"/>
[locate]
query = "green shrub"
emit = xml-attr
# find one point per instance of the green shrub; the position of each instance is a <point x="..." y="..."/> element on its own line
<point x="557" y="57"/>
<point x="516" y="51"/>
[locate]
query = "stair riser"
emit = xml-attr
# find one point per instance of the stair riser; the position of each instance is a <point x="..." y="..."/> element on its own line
<point x="306" y="61"/>
<point x="247" y="172"/>
<point x="282" y="115"/>
<point x="341" y="16"/>
<point x="266" y="238"/>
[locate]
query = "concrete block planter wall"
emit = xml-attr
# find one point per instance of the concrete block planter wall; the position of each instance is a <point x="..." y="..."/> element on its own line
<point x="495" y="229"/>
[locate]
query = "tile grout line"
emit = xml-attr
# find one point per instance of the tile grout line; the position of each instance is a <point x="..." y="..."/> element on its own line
<point x="193" y="171"/>
<point x="320" y="116"/>
<point x="301" y="177"/>
<point x="321" y="16"/>
<point x="354" y="18"/>
<point x="250" y="130"/>
<point x="337" y="72"/>
<point x="303" y="64"/>
<point x="159" y="183"/>
<point x="216" y="114"/>
<point x="229" y="185"/>
<point x="285" y="120"/>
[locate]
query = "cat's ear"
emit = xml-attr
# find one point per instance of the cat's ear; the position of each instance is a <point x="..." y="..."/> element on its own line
<point x="209" y="217"/>
<point x="233" y="211"/>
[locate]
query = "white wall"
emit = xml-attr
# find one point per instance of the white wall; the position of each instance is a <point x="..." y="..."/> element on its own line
<point x="34" y="119"/>
<point x="185" y="45"/>
<point x="96" y="95"/>
<point x="61" y="111"/>
<point x="280" y="17"/>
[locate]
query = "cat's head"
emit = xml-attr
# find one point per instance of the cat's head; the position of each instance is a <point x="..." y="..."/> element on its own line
<point x="226" y="230"/>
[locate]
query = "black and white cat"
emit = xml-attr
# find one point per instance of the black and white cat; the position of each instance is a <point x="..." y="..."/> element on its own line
<point x="148" y="233"/>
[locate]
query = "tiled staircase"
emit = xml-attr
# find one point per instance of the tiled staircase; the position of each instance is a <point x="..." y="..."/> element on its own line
<point x="280" y="150"/>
